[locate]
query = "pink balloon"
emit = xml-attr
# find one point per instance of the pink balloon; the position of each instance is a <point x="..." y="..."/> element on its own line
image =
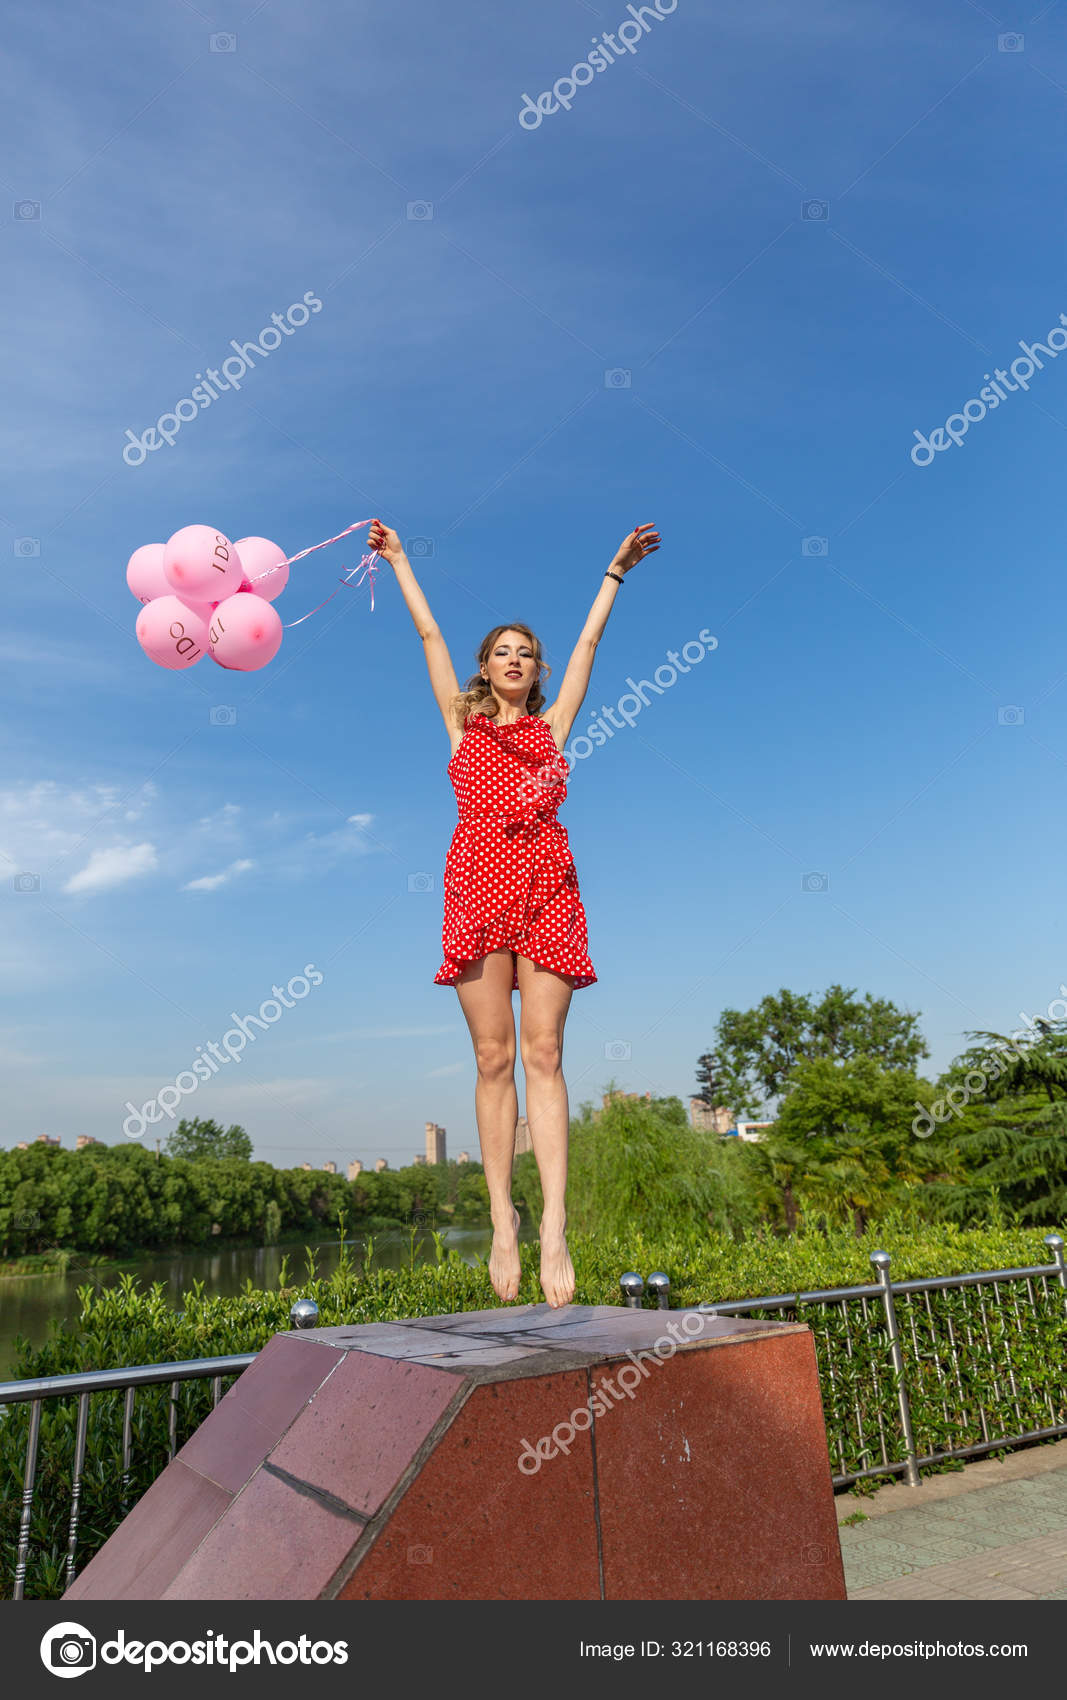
<point x="144" y="572"/>
<point x="257" y="555"/>
<point x="171" y="633"/>
<point x="245" y="633"/>
<point x="202" y="564"/>
<point x="204" y="609"/>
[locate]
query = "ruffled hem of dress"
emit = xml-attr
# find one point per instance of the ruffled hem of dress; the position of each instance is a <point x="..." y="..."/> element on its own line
<point x="450" y="970"/>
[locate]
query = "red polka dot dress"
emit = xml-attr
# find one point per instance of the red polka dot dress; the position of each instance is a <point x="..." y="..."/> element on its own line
<point x="510" y="880"/>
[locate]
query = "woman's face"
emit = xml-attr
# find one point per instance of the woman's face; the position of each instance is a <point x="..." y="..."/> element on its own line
<point x="511" y="667"/>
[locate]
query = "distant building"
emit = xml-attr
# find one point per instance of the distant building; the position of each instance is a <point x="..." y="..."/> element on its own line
<point x="419" y="1159"/>
<point x="330" y="1166"/>
<point x="523" y="1142"/>
<point x="382" y="1163"/>
<point x="464" y="1157"/>
<point x="354" y="1168"/>
<point x="305" y="1165"/>
<point x="708" y="1120"/>
<point x="435" y="1143"/>
<point x="85" y="1139"/>
<point x="752" y="1131"/>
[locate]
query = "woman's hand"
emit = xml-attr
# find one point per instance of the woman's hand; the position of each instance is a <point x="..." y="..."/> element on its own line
<point x="643" y="540"/>
<point x="385" y="542"/>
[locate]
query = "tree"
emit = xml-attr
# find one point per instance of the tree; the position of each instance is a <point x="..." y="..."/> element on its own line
<point x="760" y="1049"/>
<point x="641" y="1165"/>
<point x="198" y="1140"/>
<point x="1009" y="1128"/>
<point x="843" y="1141"/>
<point x="710" y="1073"/>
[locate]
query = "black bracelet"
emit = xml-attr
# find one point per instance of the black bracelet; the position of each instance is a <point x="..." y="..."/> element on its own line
<point x="610" y="574"/>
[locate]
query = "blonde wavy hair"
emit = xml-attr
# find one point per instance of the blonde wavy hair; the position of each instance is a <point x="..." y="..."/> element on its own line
<point x="478" y="698"/>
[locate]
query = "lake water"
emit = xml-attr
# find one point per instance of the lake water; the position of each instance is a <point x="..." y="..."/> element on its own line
<point x="29" y="1302"/>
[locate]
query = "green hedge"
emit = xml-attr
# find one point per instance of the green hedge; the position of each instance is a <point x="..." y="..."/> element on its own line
<point x="951" y="1393"/>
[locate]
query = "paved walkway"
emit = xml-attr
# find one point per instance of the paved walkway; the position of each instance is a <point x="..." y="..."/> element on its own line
<point x="995" y="1530"/>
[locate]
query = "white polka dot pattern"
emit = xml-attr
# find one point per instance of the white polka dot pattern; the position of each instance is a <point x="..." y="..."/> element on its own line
<point x="510" y="879"/>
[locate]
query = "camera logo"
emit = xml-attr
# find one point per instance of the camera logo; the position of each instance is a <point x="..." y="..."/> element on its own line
<point x="420" y="547"/>
<point x="68" y="1650"/>
<point x="223" y="714"/>
<point x="420" y="882"/>
<point x="223" y="42"/>
<point x="815" y="546"/>
<point x="27" y="209"/>
<point x="26" y="882"/>
<point x="1010" y="715"/>
<point x="27" y="546"/>
<point x="815" y="882"/>
<point x="819" y="210"/>
<point x="420" y="209"/>
<point x="617" y="1050"/>
<point x="1010" y="43"/>
<point x="617" y="378"/>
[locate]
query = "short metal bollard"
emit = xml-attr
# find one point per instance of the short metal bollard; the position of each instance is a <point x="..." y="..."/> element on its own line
<point x="659" y="1287"/>
<point x="633" y="1288"/>
<point x="304" y="1314"/>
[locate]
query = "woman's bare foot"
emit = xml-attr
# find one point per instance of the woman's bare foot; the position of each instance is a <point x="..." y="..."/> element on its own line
<point x="505" y="1267"/>
<point x="557" y="1270"/>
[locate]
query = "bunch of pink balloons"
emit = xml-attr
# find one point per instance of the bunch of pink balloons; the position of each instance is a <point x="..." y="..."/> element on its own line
<point x="204" y="594"/>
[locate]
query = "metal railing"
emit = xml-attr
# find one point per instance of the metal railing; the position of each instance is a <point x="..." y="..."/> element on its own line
<point x="934" y="1367"/>
<point x="304" y="1314"/>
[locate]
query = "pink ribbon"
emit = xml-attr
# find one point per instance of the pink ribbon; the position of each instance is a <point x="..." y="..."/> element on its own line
<point x="367" y="566"/>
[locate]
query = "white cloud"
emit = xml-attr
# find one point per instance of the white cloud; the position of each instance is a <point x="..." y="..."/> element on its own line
<point x="106" y="869"/>
<point x="449" y="1068"/>
<point x="211" y="882"/>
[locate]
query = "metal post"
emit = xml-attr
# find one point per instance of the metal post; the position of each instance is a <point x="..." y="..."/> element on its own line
<point x="659" y="1286"/>
<point x="633" y="1287"/>
<point x="1055" y="1245"/>
<point x="880" y="1259"/>
<point x="304" y="1314"/>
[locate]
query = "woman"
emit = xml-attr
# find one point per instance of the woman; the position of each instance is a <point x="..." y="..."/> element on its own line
<point x="514" y="919"/>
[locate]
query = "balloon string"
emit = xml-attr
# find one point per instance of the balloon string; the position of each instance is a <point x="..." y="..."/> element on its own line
<point x="367" y="564"/>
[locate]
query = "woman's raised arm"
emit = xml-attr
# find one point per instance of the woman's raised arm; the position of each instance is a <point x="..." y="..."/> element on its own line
<point x="643" y="540"/>
<point x="443" y="679"/>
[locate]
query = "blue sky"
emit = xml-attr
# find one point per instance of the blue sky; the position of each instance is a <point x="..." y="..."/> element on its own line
<point x="885" y="709"/>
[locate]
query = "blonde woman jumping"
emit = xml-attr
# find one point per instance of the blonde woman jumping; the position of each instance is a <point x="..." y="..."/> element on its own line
<point x="514" y="918"/>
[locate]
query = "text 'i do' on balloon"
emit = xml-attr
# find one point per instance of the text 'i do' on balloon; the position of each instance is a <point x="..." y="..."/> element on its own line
<point x="245" y="633"/>
<point x="171" y="632"/>
<point x="202" y="565"/>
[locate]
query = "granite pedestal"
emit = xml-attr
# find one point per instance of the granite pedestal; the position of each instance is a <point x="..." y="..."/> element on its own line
<point x="514" y="1453"/>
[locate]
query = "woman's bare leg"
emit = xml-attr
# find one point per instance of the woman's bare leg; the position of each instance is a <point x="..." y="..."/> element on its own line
<point x="484" y="991"/>
<point x="546" y="998"/>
